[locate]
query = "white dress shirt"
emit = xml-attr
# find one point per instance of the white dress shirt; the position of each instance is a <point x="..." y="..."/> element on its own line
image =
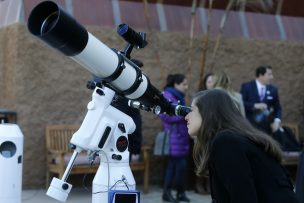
<point x="261" y="89"/>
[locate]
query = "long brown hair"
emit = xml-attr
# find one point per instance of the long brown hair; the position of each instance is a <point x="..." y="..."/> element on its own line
<point x="219" y="113"/>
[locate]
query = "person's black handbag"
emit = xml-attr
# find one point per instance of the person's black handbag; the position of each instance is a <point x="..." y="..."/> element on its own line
<point x="287" y="140"/>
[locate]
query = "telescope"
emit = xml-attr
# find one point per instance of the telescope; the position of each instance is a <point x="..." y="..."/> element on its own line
<point x="58" y="29"/>
<point x="105" y="129"/>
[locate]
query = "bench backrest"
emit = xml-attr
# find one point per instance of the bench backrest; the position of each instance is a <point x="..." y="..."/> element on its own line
<point x="294" y="128"/>
<point x="58" y="137"/>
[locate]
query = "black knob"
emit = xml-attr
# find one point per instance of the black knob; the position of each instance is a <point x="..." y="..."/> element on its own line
<point x="121" y="127"/>
<point x="65" y="186"/>
<point x="72" y="146"/>
<point x="91" y="85"/>
<point x="116" y="157"/>
<point x="100" y="92"/>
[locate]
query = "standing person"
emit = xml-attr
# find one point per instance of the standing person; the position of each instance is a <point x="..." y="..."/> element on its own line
<point x="175" y="91"/>
<point x="261" y="100"/>
<point x="208" y="82"/>
<point x="243" y="163"/>
<point x="223" y="81"/>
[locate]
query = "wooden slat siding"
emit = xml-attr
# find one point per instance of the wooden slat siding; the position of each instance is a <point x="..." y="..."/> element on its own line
<point x="198" y="28"/>
<point x="215" y="21"/>
<point x="202" y="12"/>
<point x="9" y="12"/>
<point x="244" y="25"/>
<point x="133" y="14"/>
<point x="94" y="12"/>
<point x="281" y="27"/>
<point x="174" y="2"/>
<point x="3" y="11"/>
<point x="69" y="7"/>
<point x="162" y="17"/>
<point x="116" y="12"/>
<point x="179" y="19"/>
<point x="153" y="17"/>
<point x="30" y="4"/>
<point x="232" y="27"/>
<point x="294" y="28"/>
<point x="256" y="30"/>
<point x="290" y="7"/>
<point x="262" y="26"/>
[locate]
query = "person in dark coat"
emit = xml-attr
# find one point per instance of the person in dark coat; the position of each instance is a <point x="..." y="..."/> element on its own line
<point x="261" y="101"/>
<point x="179" y="140"/>
<point x="242" y="162"/>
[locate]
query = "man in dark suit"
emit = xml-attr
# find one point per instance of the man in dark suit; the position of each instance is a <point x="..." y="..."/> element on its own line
<point x="261" y="101"/>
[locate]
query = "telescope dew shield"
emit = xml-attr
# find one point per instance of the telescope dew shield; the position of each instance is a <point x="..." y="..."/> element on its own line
<point x="57" y="28"/>
<point x="61" y="31"/>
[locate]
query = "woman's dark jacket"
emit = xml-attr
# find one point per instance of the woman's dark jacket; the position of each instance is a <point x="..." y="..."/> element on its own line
<point x="242" y="172"/>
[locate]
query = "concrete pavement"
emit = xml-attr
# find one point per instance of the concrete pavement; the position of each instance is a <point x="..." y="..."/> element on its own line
<point x="80" y="195"/>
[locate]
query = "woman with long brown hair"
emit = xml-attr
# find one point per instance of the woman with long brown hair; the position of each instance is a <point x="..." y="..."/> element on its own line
<point x="243" y="163"/>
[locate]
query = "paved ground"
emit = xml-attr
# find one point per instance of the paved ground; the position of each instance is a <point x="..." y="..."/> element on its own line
<point x="79" y="195"/>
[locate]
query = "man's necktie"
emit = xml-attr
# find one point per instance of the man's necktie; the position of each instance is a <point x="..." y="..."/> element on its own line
<point x="262" y="93"/>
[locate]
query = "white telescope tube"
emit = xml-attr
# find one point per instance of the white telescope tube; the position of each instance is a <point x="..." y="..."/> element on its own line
<point x="61" y="31"/>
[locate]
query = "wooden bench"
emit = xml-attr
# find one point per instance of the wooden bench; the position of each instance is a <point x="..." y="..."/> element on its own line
<point x="291" y="158"/>
<point x="58" y="153"/>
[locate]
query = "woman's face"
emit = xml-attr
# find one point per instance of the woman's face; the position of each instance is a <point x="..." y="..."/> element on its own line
<point x="194" y="120"/>
<point x="210" y="82"/>
<point x="183" y="86"/>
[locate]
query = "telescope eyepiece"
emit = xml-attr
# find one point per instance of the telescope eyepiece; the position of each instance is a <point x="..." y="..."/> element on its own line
<point x="182" y="110"/>
<point x="131" y="36"/>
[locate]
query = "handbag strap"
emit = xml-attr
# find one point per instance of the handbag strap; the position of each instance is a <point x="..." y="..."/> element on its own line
<point x="171" y="128"/>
